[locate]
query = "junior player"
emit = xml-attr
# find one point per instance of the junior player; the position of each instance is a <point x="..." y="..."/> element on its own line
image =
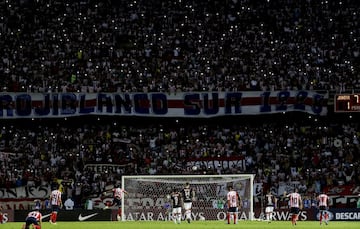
<point x="323" y="203"/>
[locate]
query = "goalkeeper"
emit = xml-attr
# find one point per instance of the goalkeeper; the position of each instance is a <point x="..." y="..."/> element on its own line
<point x="188" y="195"/>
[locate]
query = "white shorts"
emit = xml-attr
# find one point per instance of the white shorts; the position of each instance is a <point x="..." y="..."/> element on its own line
<point x="269" y="209"/>
<point x="187" y="206"/>
<point x="176" y="211"/>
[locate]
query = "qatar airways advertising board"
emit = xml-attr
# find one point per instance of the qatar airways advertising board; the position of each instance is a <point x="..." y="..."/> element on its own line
<point x="335" y="214"/>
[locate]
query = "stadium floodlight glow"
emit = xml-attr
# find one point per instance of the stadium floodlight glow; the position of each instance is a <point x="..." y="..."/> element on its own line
<point x="148" y="196"/>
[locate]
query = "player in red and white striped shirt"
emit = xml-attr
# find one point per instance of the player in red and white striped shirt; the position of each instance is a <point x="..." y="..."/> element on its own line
<point x="295" y="203"/>
<point x="1" y="215"/>
<point x="118" y="194"/>
<point x="233" y="204"/>
<point x="33" y="218"/>
<point x="56" y="203"/>
<point x="323" y="203"/>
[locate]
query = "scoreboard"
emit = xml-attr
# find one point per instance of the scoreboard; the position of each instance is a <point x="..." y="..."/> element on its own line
<point x="347" y="103"/>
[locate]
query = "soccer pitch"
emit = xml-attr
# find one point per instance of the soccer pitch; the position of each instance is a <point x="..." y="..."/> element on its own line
<point x="184" y="224"/>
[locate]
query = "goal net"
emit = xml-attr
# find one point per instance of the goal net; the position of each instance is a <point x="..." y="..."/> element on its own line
<point x="148" y="197"/>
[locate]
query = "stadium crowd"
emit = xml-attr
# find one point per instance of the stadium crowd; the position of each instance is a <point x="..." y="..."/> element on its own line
<point x="182" y="45"/>
<point x="172" y="46"/>
<point x="311" y="155"/>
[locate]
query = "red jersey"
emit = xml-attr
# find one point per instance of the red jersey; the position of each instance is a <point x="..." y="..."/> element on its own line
<point x="295" y="200"/>
<point x="323" y="200"/>
<point x="232" y="198"/>
<point x="35" y="214"/>
<point x="55" y="197"/>
<point x="118" y="193"/>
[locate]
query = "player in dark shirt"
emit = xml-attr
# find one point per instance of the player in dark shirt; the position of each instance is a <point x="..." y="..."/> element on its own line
<point x="188" y="194"/>
<point x="176" y="206"/>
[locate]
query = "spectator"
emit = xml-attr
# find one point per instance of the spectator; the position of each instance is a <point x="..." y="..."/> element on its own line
<point x="89" y="204"/>
<point x="69" y="204"/>
<point x="178" y="46"/>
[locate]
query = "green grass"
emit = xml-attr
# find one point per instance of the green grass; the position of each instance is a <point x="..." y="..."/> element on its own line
<point x="196" y="225"/>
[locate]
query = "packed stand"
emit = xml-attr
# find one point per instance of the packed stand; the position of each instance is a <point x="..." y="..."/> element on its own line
<point x="312" y="155"/>
<point x="182" y="45"/>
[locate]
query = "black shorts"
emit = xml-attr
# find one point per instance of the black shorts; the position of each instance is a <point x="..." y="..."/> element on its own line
<point x="117" y="202"/>
<point x="294" y="210"/>
<point x="233" y="209"/>
<point x="322" y="208"/>
<point x="31" y="220"/>
<point x="55" y="208"/>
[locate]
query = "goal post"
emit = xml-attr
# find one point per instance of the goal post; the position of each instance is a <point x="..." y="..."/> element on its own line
<point x="148" y="196"/>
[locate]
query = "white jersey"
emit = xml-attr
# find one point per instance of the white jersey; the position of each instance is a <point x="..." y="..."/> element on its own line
<point x="295" y="200"/>
<point x="323" y="200"/>
<point x="269" y="200"/>
<point x="34" y="214"/>
<point x="233" y="198"/>
<point x="118" y="193"/>
<point x="55" y="197"/>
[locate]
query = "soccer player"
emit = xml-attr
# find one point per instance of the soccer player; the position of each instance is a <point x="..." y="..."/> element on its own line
<point x="37" y="204"/>
<point x="56" y="203"/>
<point x="167" y="207"/>
<point x="118" y="194"/>
<point x="176" y="206"/>
<point x="33" y="218"/>
<point x="295" y="203"/>
<point x="323" y="203"/>
<point x="233" y="204"/>
<point x="188" y="194"/>
<point x="1" y="215"/>
<point x="270" y="202"/>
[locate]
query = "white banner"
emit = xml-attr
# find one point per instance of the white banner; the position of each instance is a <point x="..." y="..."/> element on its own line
<point x="42" y="191"/>
<point x="190" y="104"/>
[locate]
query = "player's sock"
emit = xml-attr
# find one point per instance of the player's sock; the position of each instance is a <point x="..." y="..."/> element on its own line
<point x="235" y="216"/>
<point x="320" y="217"/>
<point x="174" y="218"/>
<point x="326" y="218"/>
<point x="228" y="217"/>
<point x="188" y="216"/>
<point x="54" y="218"/>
